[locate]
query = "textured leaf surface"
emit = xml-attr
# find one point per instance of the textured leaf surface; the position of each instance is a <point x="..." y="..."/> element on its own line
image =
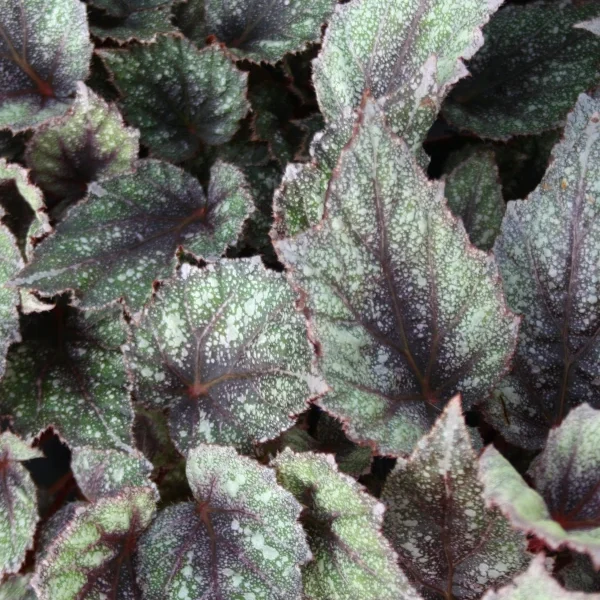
<point x="92" y="557"/>
<point x="18" y="502"/>
<point x="351" y="559"/>
<point x="406" y="53"/>
<point x="88" y="144"/>
<point x="406" y="311"/>
<point x="239" y="539"/>
<point x="17" y="588"/>
<point x="548" y="254"/>
<point x="564" y="508"/>
<point x="44" y="51"/>
<point x="68" y="372"/>
<point x="226" y="350"/>
<point x="180" y="98"/>
<point x="474" y="194"/>
<point x="530" y="71"/>
<point x="259" y="30"/>
<point x="449" y="544"/>
<point x="126" y="234"/>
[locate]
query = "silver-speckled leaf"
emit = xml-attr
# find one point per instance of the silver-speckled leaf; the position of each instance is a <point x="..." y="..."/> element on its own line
<point x="179" y="97"/>
<point x="474" y="194"/>
<point x="563" y="509"/>
<point x="406" y="311"/>
<point x="351" y="559"/>
<point x="549" y="257"/>
<point x="17" y="588"/>
<point x="406" y="53"/>
<point x="18" y="502"/>
<point x="44" y="50"/>
<point x="126" y="234"/>
<point x="92" y="557"/>
<point x="88" y="144"/>
<point x="239" y="539"/>
<point x="449" y="544"/>
<point x="527" y="76"/>
<point x="225" y="349"/>
<point x="68" y="372"/>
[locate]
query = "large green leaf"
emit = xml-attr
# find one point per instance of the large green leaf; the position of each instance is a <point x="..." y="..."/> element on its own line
<point x="126" y="234"/>
<point x="18" y="502"/>
<point x="225" y="349"/>
<point x="406" y="53"/>
<point x="179" y="97"/>
<point x="548" y="254"/>
<point x="448" y="542"/>
<point x="351" y="559"/>
<point x="44" y="50"/>
<point x="405" y="310"/>
<point x="239" y="539"/>
<point x="530" y="71"/>
<point x="68" y="373"/>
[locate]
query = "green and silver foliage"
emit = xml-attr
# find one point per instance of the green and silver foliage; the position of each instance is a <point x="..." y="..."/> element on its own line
<point x="257" y="30"/>
<point x="406" y="311"/>
<point x="240" y="538"/>
<point x="474" y="194"/>
<point x="225" y="349"/>
<point x="18" y="502"/>
<point x="101" y="473"/>
<point x="530" y="71"/>
<point x="548" y="254"/>
<point x="564" y="508"/>
<point x="68" y="373"/>
<point x="88" y="144"/>
<point x="179" y="97"/>
<point x="351" y="558"/>
<point x="44" y="50"/>
<point x="536" y="584"/>
<point x="407" y="54"/>
<point x="17" y="588"/>
<point x="93" y="555"/>
<point x="448" y="542"/>
<point x="126" y="234"/>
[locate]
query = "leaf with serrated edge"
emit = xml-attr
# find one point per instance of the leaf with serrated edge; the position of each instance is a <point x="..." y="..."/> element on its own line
<point x="68" y="372"/>
<point x="125" y="235"/>
<point x="179" y="97"/>
<point x="449" y="544"/>
<point x="536" y="584"/>
<point x="530" y="71"/>
<point x="351" y="559"/>
<point x="564" y="508"/>
<point x="101" y="473"/>
<point x="18" y="502"/>
<point x="17" y="588"/>
<point x="44" y="50"/>
<point x="92" y="557"/>
<point x="408" y="54"/>
<point x="474" y="194"/>
<point x="406" y="311"/>
<point x="88" y="144"/>
<point x="258" y="30"/>
<point x="225" y="349"/>
<point x="239" y="539"/>
<point x="548" y="254"/>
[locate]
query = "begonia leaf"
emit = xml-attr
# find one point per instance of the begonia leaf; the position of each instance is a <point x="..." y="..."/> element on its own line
<point x="225" y="349"/>
<point x="351" y="558"/>
<point x="449" y="544"/>
<point x="18" y="502"/>
<point x="579" y="574"/>
<point x="44" y="50"/>
<point x="405" y="310"/>
<point x="527" y="76"/>
<point x="180" y="98"/>
<point x="68" y="372"/>
<point x="240" y="538"/>
<point x="125" y="235"/>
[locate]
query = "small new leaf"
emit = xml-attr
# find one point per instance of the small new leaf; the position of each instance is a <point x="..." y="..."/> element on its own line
<point x="239" y="539"/>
